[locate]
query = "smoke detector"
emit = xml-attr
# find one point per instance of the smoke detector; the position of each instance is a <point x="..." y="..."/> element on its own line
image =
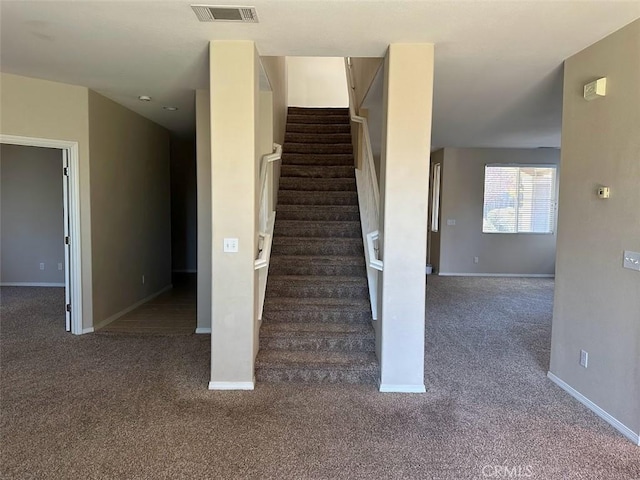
<point x="221" y="13"/>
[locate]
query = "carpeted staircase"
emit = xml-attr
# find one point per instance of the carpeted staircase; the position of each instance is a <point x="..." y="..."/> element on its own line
<point x="317" y="316"/>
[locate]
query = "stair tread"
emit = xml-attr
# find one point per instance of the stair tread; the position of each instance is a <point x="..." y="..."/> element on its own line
<point x="296" y="240"/>
<point x="324" y="208"/>
<point x="324" y="302"/>
<point x="319" y="259"/>
<point x="318" y="110"/>
<point x="349" y="223"/>
<point x="316" y="359"/>
<point x="309" y="193"/>
<point x="315" y="328"/>
<point x="318" y="119"/>
<point x="317" y="279"/>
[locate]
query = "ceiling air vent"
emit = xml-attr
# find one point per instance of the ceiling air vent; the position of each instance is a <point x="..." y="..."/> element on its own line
<point x="217" y="13"/>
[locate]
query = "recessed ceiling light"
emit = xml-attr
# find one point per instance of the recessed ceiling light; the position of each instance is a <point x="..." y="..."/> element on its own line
<point x="144" y="98"/>
<point x="171" y="109"/>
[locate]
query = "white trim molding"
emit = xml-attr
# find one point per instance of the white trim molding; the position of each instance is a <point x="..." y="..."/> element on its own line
<point x="203" y="330"/>
<point x="512" y="275"/>
<point x="607" y="417"/>
<point x="75" y="230"/>
<point x="121" y="313"/>
<point x="88" y="330"/>
<point x="31" y="284"/>
<point x="232" y="385"/>
<point x="392" y="388"/>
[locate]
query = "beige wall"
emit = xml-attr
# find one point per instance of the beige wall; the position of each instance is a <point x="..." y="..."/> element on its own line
<point x="404" y="192"/>
<point x="597" y="302"/>
<point x="130" y="205"/>
<point x="203" y="180"/>
<point x="43" y="109"/>
<point x="184" y="222"/>
<point x="364" y="70"/>
<point x="235" y="155"/>
<point x="32" y="229"/>
<point x="462" y="201"/>
<point x="276" y="70"/>
<point x="317" y="82"/>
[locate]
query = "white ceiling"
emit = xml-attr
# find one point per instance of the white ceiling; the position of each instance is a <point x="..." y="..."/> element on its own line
<point x="498" y="76"/>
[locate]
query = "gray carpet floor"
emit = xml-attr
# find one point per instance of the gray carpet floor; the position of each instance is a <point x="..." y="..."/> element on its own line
<point x="137" y="407"/>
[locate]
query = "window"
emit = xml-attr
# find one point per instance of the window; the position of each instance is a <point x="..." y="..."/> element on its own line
<point x="435" y="198"/>
<point x="519" y="199"/>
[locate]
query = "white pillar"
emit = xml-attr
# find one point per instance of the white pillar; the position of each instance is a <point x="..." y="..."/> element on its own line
<point x="404" y="185"/>
<point x="234" y="154"/>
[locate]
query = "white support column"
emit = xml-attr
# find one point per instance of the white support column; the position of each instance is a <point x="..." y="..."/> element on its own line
<point x="234" y="154"/>
<point x="404" y="198"/>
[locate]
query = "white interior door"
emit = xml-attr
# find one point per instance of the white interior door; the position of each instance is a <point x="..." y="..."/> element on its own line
<point x="67" y="242"/>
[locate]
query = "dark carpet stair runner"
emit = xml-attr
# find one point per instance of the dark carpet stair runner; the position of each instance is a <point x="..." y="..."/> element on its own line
<point x="317" y="316"/>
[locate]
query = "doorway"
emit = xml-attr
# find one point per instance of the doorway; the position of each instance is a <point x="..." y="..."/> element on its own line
<point x="63" y="157"/>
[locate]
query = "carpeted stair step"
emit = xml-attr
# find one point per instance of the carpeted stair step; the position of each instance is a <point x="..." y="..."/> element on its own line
<point x="318" y="128"/>
<point x="317" y="138"/>
<point x="320" y="184"/>
<point x="317" y="148"/>
<point x="314" y="171"/>
<point x="336" y="337"/>
<point x="334" y="213"/>
<point x="308" y="246"/>
<point x="301" y="228"/>
<point x="319" y="119"/>
<point x="318" y="111"/>
<point x="320" y="159"/>
<point x="316" y="367"/>
<point x="296" y="197"/>
<point x="319" y="310"/>
<point x="316" y="265"/>
<point x="317" y="287"/>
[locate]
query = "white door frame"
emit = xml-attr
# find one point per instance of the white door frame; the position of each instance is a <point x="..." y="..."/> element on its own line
<point x="74" y="217"/>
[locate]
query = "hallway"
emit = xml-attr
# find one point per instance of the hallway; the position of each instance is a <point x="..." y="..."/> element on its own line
<point x="172" y="313"/>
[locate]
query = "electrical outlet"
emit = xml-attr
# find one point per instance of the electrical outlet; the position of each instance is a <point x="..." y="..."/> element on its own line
<point x="230" y="245"/>
<point x="631" y="260"/>
<point x="59" y="266"/>
<point x="451" y="222"/>
<point x="584" y="358"/>
<point x="42" y="266"/>
<point x="475" y="259"/>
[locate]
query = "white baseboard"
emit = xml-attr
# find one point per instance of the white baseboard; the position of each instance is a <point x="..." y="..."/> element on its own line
<point x="87" y="330"/>
<point x="389" y="388"/>
<point x="610" y="419"/>
<point x="232" y="385"/>
<point x="116" y="316"/>
<point x="517" y="275"/>
<point x="31" y="284"/>
<point x="203" y="330"/>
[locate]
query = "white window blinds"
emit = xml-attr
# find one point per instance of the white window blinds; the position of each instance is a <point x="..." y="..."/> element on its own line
<point x="519" y="199"/>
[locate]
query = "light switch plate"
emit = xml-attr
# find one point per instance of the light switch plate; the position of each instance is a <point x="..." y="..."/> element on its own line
<point x="230" y="245"/>
<point x="631" y="260"/>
